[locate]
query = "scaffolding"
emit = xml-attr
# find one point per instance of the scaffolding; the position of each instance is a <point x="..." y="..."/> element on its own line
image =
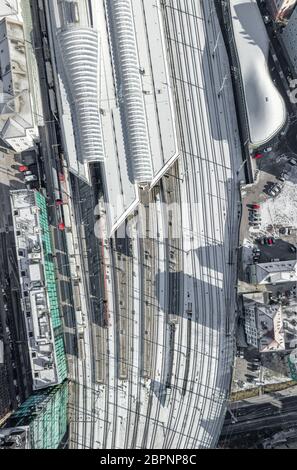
<point x="45" y="412"/>
<point x="50" y="277"/>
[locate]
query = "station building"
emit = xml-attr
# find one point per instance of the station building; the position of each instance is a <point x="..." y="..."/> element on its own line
<point x="18" y="123"/>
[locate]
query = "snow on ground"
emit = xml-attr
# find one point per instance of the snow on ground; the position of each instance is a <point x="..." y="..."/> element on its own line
<point x="282" y="210"/>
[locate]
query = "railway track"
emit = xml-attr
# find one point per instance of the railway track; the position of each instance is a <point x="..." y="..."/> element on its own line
<point x="193" y="368"/>
<point x="179" y="10"/>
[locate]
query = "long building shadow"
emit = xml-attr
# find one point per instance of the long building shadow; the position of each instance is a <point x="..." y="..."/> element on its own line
<point x="204" y="300"/>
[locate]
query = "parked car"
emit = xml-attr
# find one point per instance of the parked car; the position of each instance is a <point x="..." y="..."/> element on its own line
<point x="293" y="161"/>
<point x="271" y="192"/>
<point x="285" y="231"/>
<point x="267" y="149"/>
<point x="254" y="217"/>
<point x="293" y="248"/>
<point x="283" y="176"/>
<point x="258" y="155"/>
<point x="255" y="206"/>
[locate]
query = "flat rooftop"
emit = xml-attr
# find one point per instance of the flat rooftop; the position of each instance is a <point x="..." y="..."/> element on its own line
<point x="37" y="288"/>
<point x="266" y="111"/>
<point x="16" y="112"/>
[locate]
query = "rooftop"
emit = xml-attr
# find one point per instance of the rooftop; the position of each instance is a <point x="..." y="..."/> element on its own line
<point x="15" y="110"/>
<point x="151" y="86"/>
<point x="276" y="272"/>
<point x="266" y="111"/>
<point x="80" y="50"/>
<point x="264" y="325"/>
<point x="14" y="438"/>
<point x="38" y="290"/>
<point x="270" y="327"/>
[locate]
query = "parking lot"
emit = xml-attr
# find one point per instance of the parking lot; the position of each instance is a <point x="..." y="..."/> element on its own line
<point x="269" y="221"/>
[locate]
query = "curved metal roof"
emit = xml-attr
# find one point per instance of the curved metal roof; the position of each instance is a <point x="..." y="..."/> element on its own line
<point x="265" y="107"/>
<point x="129" y="84"/>
<point x="80" y="48"/>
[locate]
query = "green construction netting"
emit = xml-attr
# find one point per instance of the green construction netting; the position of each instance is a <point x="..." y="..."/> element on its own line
<point x="61" y="358"/>
<point x="45" y="412"/>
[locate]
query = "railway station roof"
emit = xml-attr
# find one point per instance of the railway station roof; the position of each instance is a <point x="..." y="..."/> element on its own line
<point x="266" y="111"/>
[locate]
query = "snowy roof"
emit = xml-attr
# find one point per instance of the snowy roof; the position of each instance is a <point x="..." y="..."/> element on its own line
<point x="264" y="325"/>
<point x="280" y="271"/>
<point x="266" y="111"/>
<point x="34" y="292"/>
